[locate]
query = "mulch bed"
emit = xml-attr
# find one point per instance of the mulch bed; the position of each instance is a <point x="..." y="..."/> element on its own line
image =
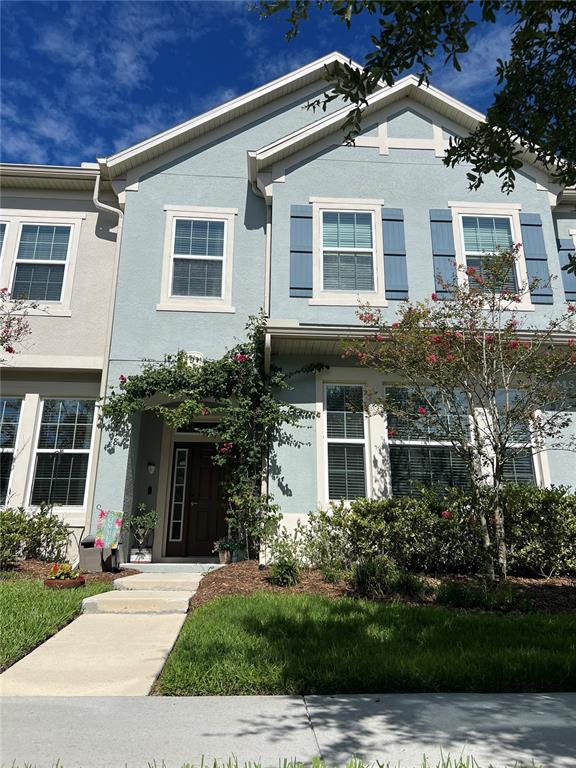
<point x="544" y="595"/>
<point x="38" y="569"/>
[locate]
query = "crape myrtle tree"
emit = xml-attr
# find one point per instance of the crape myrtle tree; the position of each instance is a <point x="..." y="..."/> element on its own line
<point x="14" y="324"/>
<point x="474" y="373"/>
<point x="232" y="401"/>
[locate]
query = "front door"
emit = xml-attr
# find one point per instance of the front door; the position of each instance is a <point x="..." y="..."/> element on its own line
<point x="196" y="504"/>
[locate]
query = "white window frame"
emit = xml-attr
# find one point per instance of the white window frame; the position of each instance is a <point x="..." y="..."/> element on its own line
<point x="223" y="303"/>
<point x="13" y="450"/>
<point x="347" y="298"/>
<point x="15" y="220"/>
<point x="68" y="509"/>
<point x="3" y="247"/>
<point x="509" y="211"/>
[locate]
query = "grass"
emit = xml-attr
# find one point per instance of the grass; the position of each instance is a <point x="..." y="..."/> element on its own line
<point x="317" y="762"/>
<point x="268" y="643"/>
<point x="30" y="613"/>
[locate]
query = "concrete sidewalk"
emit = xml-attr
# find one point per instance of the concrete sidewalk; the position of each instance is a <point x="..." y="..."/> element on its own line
<point x="88" y="732"/>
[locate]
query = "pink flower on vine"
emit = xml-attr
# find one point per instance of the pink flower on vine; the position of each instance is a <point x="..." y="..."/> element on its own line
<point x="205" y="411"/>
<point x="118" y="522"/>
<point x="571" y="308"/>
<point x="395" y="325"/>
<point x="434" y="297"/>
<point x="379" y="337"/>
<point x="421" y="410"/>
<point x="225" y="448"/>
<point x="459" y="335"/>
<point x="513" y="323"/>
<point x="446" y="514"/>
<point x="489" y="339"/>
<point x="432" y="358"/>
<point x="471" y="271"/>
<point x="514" y="344"/>
<point x="122" y="379"/>
<point x="240" y="357"/>
<point x="437" y="339"/>
<point x="392" y="433"/>
<point x="10" y="349"/>
<point x="450" y="358"/>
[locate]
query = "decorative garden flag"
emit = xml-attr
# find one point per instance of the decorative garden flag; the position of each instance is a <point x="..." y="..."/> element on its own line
<point x="108" y="529"/>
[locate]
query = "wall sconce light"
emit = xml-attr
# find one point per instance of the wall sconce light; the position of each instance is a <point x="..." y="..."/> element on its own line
<point x="151" y="467"/>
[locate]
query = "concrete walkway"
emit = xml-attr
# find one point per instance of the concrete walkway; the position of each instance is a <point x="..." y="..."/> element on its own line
<point x="497" y="730"/>
<point x="116" y="648"/>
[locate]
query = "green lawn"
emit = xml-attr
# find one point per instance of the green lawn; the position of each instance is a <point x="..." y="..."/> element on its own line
<point x="301" y="644"/>
<point x="30" y="613"/>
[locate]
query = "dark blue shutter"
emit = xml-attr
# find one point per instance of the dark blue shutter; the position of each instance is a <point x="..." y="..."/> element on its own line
<point x="395" y="276"/>
<point x="536" y="259"/>
<point x="443" y="251"/>
<point x="301" y="250"/>
<point x="565" y="248"/>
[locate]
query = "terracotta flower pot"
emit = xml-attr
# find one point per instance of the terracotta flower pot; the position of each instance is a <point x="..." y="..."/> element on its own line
<point x="64" y="583"/>
<point x="225" y="557"/>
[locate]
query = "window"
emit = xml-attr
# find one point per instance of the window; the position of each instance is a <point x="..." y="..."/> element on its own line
<point x="63" y="452"/>
<point x="420" y="454"/>
<point x="2" y="237"/>
<point x="178" y="494"/>
<point x="198" y="258"/>
<point x="9" y="418"/>
<point x="198" y="249"/>
<point x="347" y="251"/>
<point x="41" y="262"/>
<point x="482" y="236"/>
<point x="346" y="441"/>
<point x="519" y="467"/>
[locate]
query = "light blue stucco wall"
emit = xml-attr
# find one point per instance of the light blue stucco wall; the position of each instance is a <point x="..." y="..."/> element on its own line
<point x="407" y="124"/>
<point x="412" y="179"/>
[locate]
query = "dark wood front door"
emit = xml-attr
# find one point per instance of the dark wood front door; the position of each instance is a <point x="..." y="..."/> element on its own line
<point x="196" y="504"/>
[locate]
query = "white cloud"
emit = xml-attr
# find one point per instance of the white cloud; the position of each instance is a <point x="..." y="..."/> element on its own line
<point x="478" y="65"/>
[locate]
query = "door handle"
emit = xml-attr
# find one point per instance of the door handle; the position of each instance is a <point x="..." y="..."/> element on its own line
<point x="193" y="503"/>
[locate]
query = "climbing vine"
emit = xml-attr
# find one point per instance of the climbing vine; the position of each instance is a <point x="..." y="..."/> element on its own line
<point x="232" y="401"/>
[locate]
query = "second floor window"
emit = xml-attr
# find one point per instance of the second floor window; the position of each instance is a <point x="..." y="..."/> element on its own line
<point x="198" y="258"/>
<point x="484" y="235"/>
<point x="347" y="251"/>
<point x="40" y="263"/>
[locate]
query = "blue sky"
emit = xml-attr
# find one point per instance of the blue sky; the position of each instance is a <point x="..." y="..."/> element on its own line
<point x="84" y="79"/>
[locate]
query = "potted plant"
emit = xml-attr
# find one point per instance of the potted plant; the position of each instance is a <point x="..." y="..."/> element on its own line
<point x="142" y="524"/>
<point x="225" y="548"/>
<point x="63" y="576"/>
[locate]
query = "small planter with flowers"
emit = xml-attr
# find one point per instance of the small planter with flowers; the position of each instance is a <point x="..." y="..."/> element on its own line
<point x="63" y="576"/>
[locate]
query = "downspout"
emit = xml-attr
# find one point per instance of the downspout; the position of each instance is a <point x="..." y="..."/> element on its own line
<point x="105" y="208"/>
<point x="268" y="260"/>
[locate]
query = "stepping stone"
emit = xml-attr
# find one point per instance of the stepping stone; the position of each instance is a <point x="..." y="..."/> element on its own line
<point x="141" y="601"/>
<point x="186" y="582"/>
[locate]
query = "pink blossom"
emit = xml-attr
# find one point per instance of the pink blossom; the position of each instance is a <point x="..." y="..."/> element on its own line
<point x="513" y="323"/>
<point x="514" y="344"/>
<point x="367" y="317"/>
<point x="421" y="410"/>
<point x="122" y="379"/>
<point x="446" y="514"/>
<point x="99" y="543"/>
<point x="526" y="345"/>
<point x="225" y="448"/>
<point x="437" y="339"/>
<point x="378" y="337"/>
<point x="434" y="297"/>
<point x="392" y="433"/>
<point x="450" y="358"/>
<point x="205" y="411"/>
<point x="3" y="290"/>
<point x="459" y="335"/>
<point x="432" y="358"/>
<point x="395" y="325"/>
<point x="471" y="271"/>
<point x="10" y="349"/>
<point x="571" y="308"/>
<point x="102" y="514"/>
<point x="240" y="357"/>
<point x="118" y="522"/>
<point x="489" y="339"/>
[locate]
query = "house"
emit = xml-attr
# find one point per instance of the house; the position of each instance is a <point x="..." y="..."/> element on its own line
<point x="58" y="248"/>
<point x="259" y="204"/>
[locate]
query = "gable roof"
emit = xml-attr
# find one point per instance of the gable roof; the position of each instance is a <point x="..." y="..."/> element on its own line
<point x="407" y="87"/>
<point x="116" y="165"/>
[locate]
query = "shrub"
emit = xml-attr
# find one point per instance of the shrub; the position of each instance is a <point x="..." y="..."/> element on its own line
<point x="13" y="535"/>
<point x="331" y="574"/>
<point x="37" y="535"/>
<point x="484" y="595"/>
<point x="324" y="538"/>
<point x="541" y="530"/>
<point x="47" y="537"/>
<point x="286" y="558"/>
<point x="410" y="585"/>
<point x="374" y="578"/>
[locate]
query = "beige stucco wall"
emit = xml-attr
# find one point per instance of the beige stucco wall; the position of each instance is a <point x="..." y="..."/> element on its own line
<point x="83" y="332"/>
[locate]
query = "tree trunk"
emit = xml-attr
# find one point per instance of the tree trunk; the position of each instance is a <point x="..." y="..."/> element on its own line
<point x="487" y="544"/>
<point x="500" y="533"/>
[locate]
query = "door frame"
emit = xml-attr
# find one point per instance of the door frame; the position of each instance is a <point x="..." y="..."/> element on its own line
<point x="170" y="439"/>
